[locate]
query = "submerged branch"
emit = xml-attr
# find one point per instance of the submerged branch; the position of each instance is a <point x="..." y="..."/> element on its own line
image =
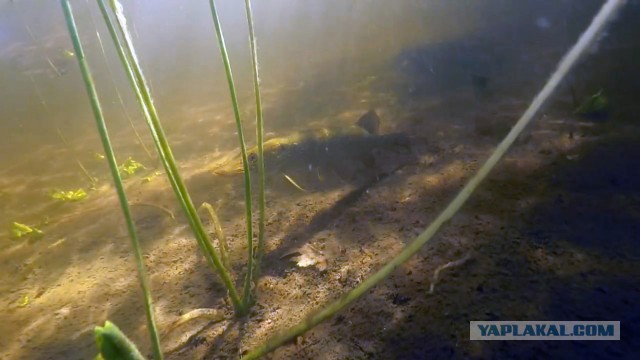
<point x="450" y="264"/>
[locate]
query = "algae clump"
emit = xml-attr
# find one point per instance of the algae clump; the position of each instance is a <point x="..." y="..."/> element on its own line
<point x="130" y="167"/>
<point x="19" y="230"/>
<point x="70" y="195"/>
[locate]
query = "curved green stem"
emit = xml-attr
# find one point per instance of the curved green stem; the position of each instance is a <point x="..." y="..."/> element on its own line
<point x="605" y="14"/>
<point x="217" y="229"/>
<point x="113" y="166"/>
<point x="141" y="89"/>
<point x="243" y="152"/>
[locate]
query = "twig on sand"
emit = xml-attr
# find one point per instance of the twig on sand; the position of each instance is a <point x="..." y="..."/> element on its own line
<point x="213" y="315"/>
<point x="446" y="266"/>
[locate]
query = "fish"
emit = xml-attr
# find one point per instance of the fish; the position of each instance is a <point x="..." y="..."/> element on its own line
<point x="370" y="122"/>
<point x="316" y="155"/>
<point x="595" y="107"/>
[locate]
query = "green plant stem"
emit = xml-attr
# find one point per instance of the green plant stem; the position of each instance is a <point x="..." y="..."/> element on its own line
<point x="115" y="86"/>
<point x="260" y="141"/>
<point x="139" y="84"/>
<point x="247" y="298"/>
<point x="605" y="14"/>
<point x="217" y="228"/>
<point x="113" y="165"/>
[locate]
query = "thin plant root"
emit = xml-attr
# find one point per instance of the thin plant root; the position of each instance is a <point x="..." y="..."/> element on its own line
<point x="446" y="266"/>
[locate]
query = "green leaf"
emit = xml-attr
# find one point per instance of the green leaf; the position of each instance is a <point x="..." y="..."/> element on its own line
<point x="113" y="344"/>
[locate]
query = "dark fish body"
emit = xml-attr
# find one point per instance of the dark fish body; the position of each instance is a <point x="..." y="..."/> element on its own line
<point x="595" y="107"/>
<point x="370" y="122"/>
<point x="347" y="158"/>
<point x="347" y="154"/>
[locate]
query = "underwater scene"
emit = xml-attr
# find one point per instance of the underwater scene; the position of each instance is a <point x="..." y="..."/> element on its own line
<point x="332" y="179"/>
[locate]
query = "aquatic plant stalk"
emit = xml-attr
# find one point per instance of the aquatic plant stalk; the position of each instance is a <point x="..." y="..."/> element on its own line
<point x="113" y="166"/>
<point x="601" y="19"/>
<point x="143" y="95"/>
<point x="115" y="87"/>
<point x="217" y="229"/>
<point x="243" y="151"/>
<point x="259" y="140"/>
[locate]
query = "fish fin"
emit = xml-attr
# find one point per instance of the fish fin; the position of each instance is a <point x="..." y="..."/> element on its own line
<point x="370" y="122"/>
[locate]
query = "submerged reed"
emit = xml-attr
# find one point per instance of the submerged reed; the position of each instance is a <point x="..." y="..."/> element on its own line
<point x="138" y="82"/>
<point x="113" y="166"/>
<point x="217" y="229"/>
<point x="605" y="14"/>
<point x="115" y="87"/>
<point x="259" y="140"/>
<point x="246" y="300"/>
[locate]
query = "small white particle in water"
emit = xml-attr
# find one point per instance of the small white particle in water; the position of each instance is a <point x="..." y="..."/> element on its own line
<point x="310" y="167"/>
<point x="326" y="149"/>
<point x="543" y="23"/>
